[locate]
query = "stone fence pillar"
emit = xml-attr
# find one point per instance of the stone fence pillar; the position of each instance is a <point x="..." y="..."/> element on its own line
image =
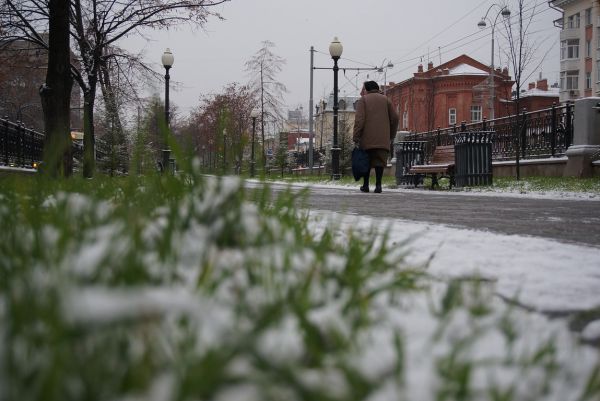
<point x="586" y="138"/>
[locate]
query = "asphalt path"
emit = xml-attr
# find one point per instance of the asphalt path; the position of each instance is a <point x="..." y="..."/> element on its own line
<point x="564" y="220"/>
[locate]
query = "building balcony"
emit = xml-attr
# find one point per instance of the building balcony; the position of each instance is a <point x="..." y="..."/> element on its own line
<point x="570" y="64"/>
<point x="568" y="94"/>
<point x="573" y="33"/>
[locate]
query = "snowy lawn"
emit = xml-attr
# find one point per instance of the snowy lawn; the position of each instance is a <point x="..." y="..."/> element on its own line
<point x="199" y="289"/>
<point x="532" y="187"/>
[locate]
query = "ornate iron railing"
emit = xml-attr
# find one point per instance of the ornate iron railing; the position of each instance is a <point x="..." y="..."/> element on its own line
<point x="19" y="146"/>
<point x="23" y="147"/>
<point x="540" y="134"/>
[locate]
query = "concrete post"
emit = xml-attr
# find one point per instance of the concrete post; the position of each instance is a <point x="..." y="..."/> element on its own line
<point x="586" y="138"/>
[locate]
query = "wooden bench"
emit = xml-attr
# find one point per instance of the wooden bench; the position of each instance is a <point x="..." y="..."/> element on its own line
<point x="442" y="163"/>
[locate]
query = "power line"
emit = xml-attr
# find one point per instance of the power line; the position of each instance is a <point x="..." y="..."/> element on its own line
<point x="486" y="31"/>
<point x="347" y="59"/>
<point x="444" y="30"/>
<point x="485" y="35"/>
<point x="479" y="35"/>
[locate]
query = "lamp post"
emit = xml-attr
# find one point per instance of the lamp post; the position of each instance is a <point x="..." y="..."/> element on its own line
<point x="505" y="12"/>
<point x="254" y="114"/>
<point x="167" y="61"/>
<point x="384" y="70"/>
<point x="225" y="150"/>
<point x="335" y="50"/>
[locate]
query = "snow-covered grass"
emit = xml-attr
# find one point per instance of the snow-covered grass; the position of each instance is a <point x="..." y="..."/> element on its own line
<point x="543" y="187"/>
<point x="196" y="288"/>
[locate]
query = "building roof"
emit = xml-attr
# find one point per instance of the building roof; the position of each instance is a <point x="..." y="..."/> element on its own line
<point x="467" y="69"/>
<point x="551" y="92"/>
<point x="462" y="65"/>
<point x="345" y="103"/>
<point x="561" y="3"/>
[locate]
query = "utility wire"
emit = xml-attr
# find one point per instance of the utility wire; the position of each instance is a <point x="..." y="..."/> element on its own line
<point x="347" y="59"/>
<point x="452" y="25"/>
<point x="484" y="33"/>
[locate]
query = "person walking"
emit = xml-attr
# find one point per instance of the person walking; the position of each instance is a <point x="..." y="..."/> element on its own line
<point x="375" y="124"/>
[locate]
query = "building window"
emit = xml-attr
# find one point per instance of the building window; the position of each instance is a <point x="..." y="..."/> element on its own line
<point x="451" y="116"/>
<point x="476" y="114"/>
<point x="405" y="119"/>
<point x="588" y="48"/>
<point x="569" y="80"/>
<point x="569" y="49"/>
<point x="574" y="21"/>
<point x="588" y="80"/>
<point x="588" y="16"/>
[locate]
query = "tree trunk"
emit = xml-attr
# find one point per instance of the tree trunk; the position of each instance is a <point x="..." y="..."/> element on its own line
<point x="56" y="94"/>
<point x="89" y="141"/>
<point x="116" y="138"/>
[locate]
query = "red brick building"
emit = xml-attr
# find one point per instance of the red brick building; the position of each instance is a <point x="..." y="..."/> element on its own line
<point x="23" y="68"/>
<point x="298" y="139"/>
<point x="455" y="91"/>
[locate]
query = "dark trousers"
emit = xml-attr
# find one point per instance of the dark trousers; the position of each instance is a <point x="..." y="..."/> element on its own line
<point x="378" y="177"/>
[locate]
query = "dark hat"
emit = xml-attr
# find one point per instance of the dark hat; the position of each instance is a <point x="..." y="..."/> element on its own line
<point x="371" y="85"/>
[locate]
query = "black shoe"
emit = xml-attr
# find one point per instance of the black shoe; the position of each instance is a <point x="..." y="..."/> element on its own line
<point x="364" y="189"/>
<point x="377" y="189"/>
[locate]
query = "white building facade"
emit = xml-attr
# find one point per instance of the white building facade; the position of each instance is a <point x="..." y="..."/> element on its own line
<point x="579" y="48"/>
<point x="324" y="120"/>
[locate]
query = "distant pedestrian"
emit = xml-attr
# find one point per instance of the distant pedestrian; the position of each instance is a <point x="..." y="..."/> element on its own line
<point x="375" y="124"/>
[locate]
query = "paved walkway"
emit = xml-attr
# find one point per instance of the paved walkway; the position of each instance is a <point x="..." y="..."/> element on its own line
<point x="571" y="221"/>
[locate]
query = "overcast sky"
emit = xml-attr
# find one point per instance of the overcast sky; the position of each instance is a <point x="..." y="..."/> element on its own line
<point x="371" y="31"/>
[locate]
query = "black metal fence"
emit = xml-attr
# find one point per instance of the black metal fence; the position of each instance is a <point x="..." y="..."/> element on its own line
<point x="408" y="153"/>
<point x="23" y="147"/>
<point x="473" y="158"/>
<point x="541" y="134"/>
<point x="19" y="146"/>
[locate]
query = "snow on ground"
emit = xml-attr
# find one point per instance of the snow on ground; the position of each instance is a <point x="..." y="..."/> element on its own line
<point x="544" y="358"/>
<point x="483" y="191"/>
<point x="545" y="275"/>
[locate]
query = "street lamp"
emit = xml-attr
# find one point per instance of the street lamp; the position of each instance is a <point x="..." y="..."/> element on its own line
<point x="254" y="114"/>
<point x="505" y="12"/>
<point x="323" y="108"/>
<point x="384" y="70"/>
<point x="225" y="150"/>
<point x="335" y="50"/>
<point x="167" y="61"/>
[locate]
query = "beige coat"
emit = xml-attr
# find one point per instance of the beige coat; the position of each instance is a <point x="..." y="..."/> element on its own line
<point x="375" y="121"/>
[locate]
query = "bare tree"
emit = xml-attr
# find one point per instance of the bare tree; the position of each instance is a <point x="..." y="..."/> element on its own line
<point x="21" y="73"/>
<point x="263" y="68"/>
<point x="226" y="111"/>
<point x="96" y="25"/>
<point x="121" y="77"/>
<point x="520" y="53"/>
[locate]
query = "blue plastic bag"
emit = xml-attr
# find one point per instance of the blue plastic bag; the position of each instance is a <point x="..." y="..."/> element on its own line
<point x="360" y="163"/>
